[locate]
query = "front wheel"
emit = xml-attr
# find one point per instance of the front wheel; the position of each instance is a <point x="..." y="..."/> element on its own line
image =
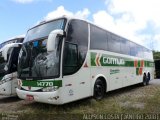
<point x="99" y="89"/>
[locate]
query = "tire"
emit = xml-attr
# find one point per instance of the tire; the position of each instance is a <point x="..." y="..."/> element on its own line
<point x="144" y="83"/>
<point x="99" y="89"/>
<point x="148" y="78"/>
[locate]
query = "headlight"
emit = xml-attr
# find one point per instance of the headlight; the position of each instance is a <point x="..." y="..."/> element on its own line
<point x="50" y="89"/>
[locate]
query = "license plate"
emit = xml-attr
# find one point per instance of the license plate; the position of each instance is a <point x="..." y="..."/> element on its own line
<point x="29" y="97"/>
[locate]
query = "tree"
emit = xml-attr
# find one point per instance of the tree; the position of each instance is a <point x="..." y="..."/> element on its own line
<point x="156" y="55"/>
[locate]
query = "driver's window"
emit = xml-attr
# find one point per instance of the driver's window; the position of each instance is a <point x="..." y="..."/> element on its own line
<point x="70" y="61"/>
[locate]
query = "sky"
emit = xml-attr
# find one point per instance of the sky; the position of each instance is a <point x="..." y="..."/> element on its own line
<point x="136" y="20"/>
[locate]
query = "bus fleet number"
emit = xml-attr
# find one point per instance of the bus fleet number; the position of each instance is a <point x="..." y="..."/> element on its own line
<point x="44" y="84"/>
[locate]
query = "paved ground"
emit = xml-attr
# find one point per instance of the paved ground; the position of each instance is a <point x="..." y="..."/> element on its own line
<point x="12" y="104"/>
<point x="155" y="82"/>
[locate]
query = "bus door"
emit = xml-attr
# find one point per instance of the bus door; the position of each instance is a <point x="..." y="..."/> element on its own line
<point x="76" y="79"/>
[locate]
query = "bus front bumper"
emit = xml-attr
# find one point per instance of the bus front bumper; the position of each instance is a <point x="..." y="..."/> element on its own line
<point x="44" y="97"/>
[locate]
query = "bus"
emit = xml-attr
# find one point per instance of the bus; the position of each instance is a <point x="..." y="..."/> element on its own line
<point x="67" y="59"/>
<point x="8" y="66"/>
<point x="18" y="39"/>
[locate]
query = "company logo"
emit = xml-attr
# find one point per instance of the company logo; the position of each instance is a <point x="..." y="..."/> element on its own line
<point x="99" y="59"/>
<point x="114" y="61"/>
<point x="70" y="92"/>
<point x="104" y="60"/>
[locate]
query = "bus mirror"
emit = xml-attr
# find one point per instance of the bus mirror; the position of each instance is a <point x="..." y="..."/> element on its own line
<point x="51" y="42"/>
<point x="6" y="48"/>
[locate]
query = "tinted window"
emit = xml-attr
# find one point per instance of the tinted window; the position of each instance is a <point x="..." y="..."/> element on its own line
<point x="19" y="41"/>
<point x="133" y="49"/>
<point x="98" y="38"/>
<point x="78" y="35"/>
<point x="113" y="43"/>
<point x="125" y="48"/>
<point x="139" y="51"/>
<point x="70" y="58"/>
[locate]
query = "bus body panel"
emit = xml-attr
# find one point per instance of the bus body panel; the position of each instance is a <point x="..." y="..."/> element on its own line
<point x="9" y="84"/>
<point x="44" y="97"/>
<point x="118" y="76"/>
<point x="74" y="87"/>
<point x="8" y="69"/>
<point x="14" y="83"/>
<point x="78" y="85"/>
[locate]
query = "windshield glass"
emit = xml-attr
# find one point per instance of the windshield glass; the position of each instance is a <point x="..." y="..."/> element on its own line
<point x="34" y="60"/>
<point x="44" y="29"/>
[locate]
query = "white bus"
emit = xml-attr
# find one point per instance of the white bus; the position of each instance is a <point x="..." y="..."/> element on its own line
<point x="8" y="66"/>
<point x="67" y="59"/>
<point x="18" y="39"/>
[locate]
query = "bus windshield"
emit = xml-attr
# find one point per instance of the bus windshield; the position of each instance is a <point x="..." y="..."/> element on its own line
<point x="34" y="60"/>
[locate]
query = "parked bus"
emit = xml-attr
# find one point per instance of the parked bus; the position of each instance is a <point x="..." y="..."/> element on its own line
<point x="18" y="39"/>
<point x="8" y="66"/>
<point x="67" y="59"/>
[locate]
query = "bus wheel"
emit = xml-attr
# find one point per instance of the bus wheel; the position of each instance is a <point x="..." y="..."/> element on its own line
<point x="99" y="89"/>
<point x="144" y="83"/>
<point x="148" y="78"/>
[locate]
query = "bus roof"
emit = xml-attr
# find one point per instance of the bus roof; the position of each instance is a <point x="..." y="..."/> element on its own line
<point x="73" y="17"/>
<point x="17" y="37"/>
<point x="13" y="38"/>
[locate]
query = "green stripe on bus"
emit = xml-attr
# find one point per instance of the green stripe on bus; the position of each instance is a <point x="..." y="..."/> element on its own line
<point x="35" y="83"/>
<point x="93" y="57"/>
<point x="149" y="64"/>
<point x="109" y="60"/>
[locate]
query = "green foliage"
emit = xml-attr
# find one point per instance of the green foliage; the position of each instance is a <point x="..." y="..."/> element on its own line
<point x="156" y="55"/>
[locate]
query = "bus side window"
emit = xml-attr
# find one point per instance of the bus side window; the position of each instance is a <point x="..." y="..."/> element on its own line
<point x="114" y="43"/>
<point x="133" y="51"/>
<point x="70" y="60"/>
<point x="98" y="38"/>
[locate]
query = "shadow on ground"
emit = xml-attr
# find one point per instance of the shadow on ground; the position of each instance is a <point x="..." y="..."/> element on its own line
<point x="9" y="99"/>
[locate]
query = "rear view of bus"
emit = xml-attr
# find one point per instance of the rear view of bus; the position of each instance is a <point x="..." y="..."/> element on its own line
<point x="9" y="53"/>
